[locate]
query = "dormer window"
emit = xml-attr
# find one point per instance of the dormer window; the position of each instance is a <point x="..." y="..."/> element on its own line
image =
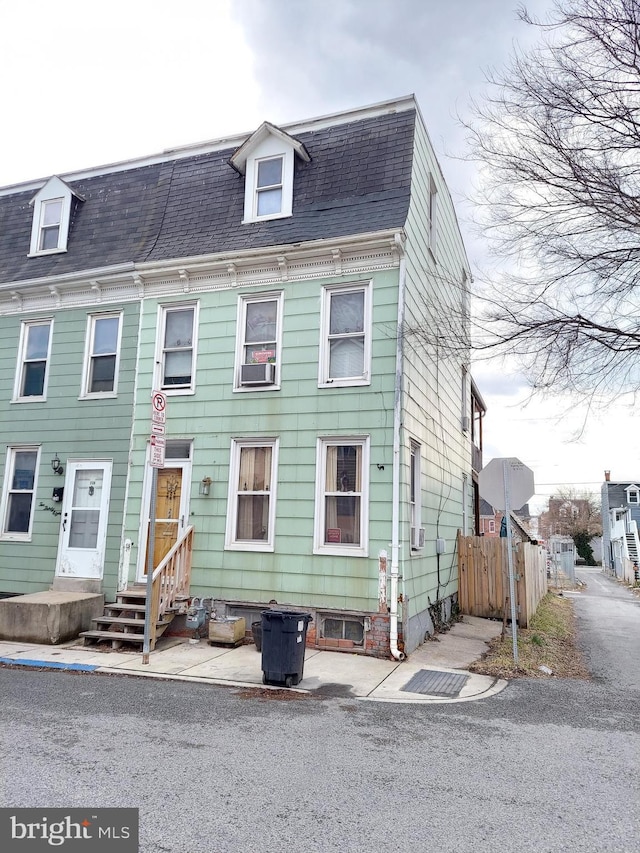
<point x="51" y="217"/>
<point x="633" y="495"/>
<point x="269" y="186"/>
<point x="266" y="160"/>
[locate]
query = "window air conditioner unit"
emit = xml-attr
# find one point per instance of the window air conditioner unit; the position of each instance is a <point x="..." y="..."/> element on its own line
<point x="417" y="538"/>
<point x="257" y="374"/>
<point x="466" y="423"/>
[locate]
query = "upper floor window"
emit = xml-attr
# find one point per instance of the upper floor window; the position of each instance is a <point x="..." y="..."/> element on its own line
<point x="345" y="348"/>
<point x="269" y="177"/>
<point x="33" y="360"/>
<point x="415" y="498"/>
<point x="259" y="341"/>
<point x="18" y="493"/>
<point x="176" y="357"/>
<point x="102" y="355"/>
<point x="251" y="515"/>
<point x="266" y="160"/>
<point x="633" y="495"/>
<point x="342" y="496"/>
<point x="52" y="207"/>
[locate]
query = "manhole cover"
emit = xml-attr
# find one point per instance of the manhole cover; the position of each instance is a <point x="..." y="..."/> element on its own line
<point x="431" y="682"/>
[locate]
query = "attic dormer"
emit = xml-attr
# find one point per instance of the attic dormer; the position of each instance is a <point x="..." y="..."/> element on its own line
<point x="266" y="160"/>
<point x="633" y="494"/>
<point x="52" y="207"/>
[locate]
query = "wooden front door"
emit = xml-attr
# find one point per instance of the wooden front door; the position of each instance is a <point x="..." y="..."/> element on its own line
<point x="172" y="512"/>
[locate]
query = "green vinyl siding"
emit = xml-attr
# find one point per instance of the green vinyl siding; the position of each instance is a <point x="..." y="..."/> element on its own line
<point x="297" y="414"/>
<point x="68" y="427"/>
<point x="432" y="398"/>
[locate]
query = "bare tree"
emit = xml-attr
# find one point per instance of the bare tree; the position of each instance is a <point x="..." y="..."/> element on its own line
<point x="558" y="139"/>
<point x="575" y="514"/>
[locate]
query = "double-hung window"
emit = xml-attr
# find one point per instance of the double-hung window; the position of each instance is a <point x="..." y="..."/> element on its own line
<point x="19" y="492"/>
<point x="259" y="341"/>
<point x="177" y="348"/>
<point x="33" y="360"/>
<point x="342" y="496"/>
<point x="252" y="494"/>
<point x="415" y="498"/>
<point x="269" y="181"/>
<point x="50" y="222"/>
<point x="102" y="354"/>
<point x="345" y="348"/>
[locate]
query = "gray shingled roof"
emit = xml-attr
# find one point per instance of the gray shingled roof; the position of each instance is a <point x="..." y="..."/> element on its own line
<point x="617" y="495"/>
<point x="358" y="181"/>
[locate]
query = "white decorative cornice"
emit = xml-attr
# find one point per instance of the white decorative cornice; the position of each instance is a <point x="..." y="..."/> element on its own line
<point x="321" y="259"/>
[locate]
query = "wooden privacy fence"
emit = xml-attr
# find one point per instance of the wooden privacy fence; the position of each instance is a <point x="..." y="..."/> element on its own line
<point x="483" y="577"/>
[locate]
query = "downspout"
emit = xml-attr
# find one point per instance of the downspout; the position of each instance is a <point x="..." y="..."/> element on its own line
<point x="395" y="486"/>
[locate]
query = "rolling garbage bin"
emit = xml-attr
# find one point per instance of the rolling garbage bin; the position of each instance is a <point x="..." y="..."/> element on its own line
<point x="284" y="636"/>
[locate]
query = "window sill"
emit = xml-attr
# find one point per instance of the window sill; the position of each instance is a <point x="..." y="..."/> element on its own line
<point x="178" y="392"/>
<point x="99" y="395"/>
<point x="344" y="551"/>
<point x="29" y="400"/>
<point x="263" y="547"/>
<point x="248" y="221"/>
<point x="15" y="537"/>
<point x="46" y="252"/>
<point x="244" y="389"/>
<point x="344" y="383"/>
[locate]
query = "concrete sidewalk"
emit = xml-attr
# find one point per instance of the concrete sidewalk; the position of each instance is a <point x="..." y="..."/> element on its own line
<point x="434" y="673"/>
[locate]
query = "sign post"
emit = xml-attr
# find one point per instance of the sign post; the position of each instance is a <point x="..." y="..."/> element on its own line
<point x="156" y="460"/>
<point x="505" y="483"/>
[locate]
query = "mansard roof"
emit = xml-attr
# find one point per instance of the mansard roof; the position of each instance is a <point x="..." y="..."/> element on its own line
<point x="356" y="180"/>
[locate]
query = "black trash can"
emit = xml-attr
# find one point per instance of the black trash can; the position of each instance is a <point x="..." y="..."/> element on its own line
<point x="256" y="631"/>
<point x="284" y="636"/>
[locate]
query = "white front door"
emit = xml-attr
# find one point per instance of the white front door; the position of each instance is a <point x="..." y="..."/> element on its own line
<point x="85" y="510"/>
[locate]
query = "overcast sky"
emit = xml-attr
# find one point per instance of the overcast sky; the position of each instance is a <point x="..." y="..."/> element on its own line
<point x="87" y="83"/>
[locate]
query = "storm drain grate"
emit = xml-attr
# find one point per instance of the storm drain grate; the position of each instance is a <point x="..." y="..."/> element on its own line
<point x="434" y="683"/>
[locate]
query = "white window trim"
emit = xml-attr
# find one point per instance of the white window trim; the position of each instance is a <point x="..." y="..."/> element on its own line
<point x="22" y="352"/>
<point x="243" y="301"/>
<point x="323" y="368"/>
<point x="86" y="394"/>
<point x="53" y="190"/>
<point x="8" y="476"/>
<point x="341" y="550"/>
<point x="251" y="184"/>
<point x="163" y="310"/>
<point x="266" y="545"/>
<point x="415" y="461"/>
<point x="635" y="492"/>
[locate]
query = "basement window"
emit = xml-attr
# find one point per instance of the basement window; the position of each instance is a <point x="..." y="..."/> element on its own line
<point x="344" y="629"/>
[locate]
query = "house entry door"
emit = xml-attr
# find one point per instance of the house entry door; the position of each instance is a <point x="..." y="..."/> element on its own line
<point x="172" y="511"/>
<point x="83" y="528"/>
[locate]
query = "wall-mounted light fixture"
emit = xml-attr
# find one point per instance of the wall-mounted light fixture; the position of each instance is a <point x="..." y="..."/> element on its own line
<point x="205" y="485"/>
<point x="55" y="464"/>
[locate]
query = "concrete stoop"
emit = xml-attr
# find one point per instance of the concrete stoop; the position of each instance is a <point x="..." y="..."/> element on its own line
<point x="49" y="617"/>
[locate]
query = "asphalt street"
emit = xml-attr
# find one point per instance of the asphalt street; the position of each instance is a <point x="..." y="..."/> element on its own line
<point x="547" y="765"/>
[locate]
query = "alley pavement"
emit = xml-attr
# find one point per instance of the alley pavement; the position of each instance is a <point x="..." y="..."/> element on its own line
<point x="435" y="673"/>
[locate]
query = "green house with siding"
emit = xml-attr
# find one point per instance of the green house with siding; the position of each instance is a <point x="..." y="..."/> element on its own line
<point x="316" y="451"/>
